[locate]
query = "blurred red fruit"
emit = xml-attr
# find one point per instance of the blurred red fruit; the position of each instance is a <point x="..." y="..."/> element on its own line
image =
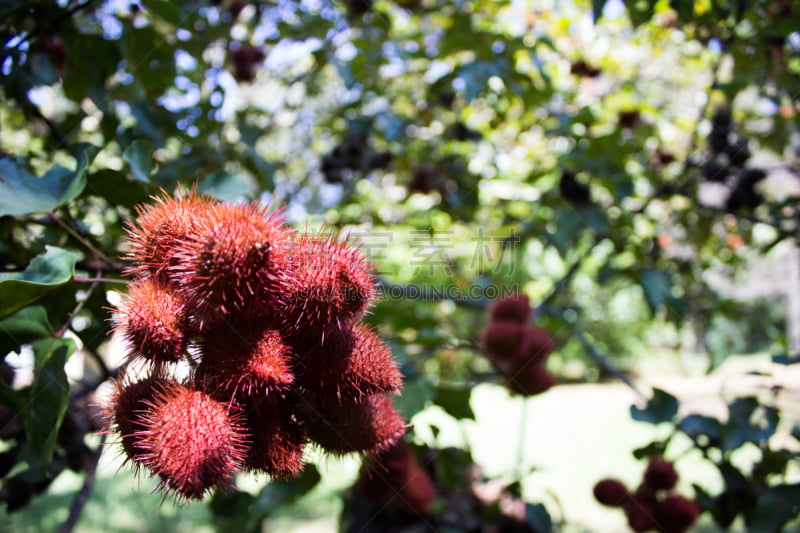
<point x="516" y="308"/>
<point x="611" y="492"/>
<point x="395" y="476"/>
<point x="503" y="340"/>
<point x="660" y="474"/>
<point x="676" y="514"/>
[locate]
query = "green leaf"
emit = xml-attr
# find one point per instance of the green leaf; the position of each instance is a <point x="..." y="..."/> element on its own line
<point x="22" y="193"/>
<point x="696" y="425"/>
<point x="139" y="156"/>
<point x="226" y="187"/>
<point x="656" y="447"/>
<point x="775" y="507"/>
<point x="538" y="518"/>
<point x="748" y="421"/>
<point x="417" y="392"/>
<point x="279" y="494"/>
<point x="45" y="273"/>
<point x="657" y="286"/>
<point x="24" y="327"/>
<point x="786" y="359"/>
<point x="44" y="412"/>
<point x="662" y="407"/>
<point x="455" y="401"/>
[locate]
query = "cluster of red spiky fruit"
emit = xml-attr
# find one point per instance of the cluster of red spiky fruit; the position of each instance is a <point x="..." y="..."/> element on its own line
<point x="654" y="505"/>
<point x="269" y="322"/>
<point x="518" y="350"/>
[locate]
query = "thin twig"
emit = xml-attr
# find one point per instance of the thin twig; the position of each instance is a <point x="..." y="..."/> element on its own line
<point x="604" y="362"/>
<point x="81" y="279"/>
<point x="523" y="429"/>
<point x="77" y="310"/>
<point x="81" y="239"/>
<point x="83" y="495"/>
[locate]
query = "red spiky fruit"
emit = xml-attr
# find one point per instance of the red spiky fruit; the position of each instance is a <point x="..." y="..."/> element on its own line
<point x="192" y="442"/>
<point x="127" y="410"/>
<point x="502" y="341"/>
<point x="233" y="262"/>
<point x="676" y="514"/>
<point x="529" y="379"/>
<point x="369" y="424"/>
<point x="395" y="476"/>
<point x="660" y="474"/>
<point x="516" y="308"/>
<point x="240" y="361"/>
<point x="277" y="439"/>
<point x="641" y="513"/>
<point x="356" y="363"/>
<point x="537" y="344"/>
<point x="330" y="285"/>
<point x="160" y="227"/>
<point x="154" y="322"/>
<point x="611" y="492"/>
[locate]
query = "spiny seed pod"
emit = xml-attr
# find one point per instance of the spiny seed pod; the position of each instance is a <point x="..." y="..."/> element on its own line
<point x="233" y="262"/>
<point x="192" y="442"/>
<point x="240" y="362"/>
<point x="127" y="410"/>
<point x="159" y="228"/>
<point x="330" y="285"/>
<point x="369" y="424"/>
<point x="660" y="474"/>
<point x="503" y="340"/>
<point x="360" y="363"/>
<point x="611" y="492"/>
<point x="516" y="308"/>
<point x="529" y="379"/>
<point x="277" y="439"/>
<point x="154" y="322"/>
<point x="537" y="344"/>
<point x="676" y="514"/>
<point x="641" y="513"/>
<point x="395" y="476"/>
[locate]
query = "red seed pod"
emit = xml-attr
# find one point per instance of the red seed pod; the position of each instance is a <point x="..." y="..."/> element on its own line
<point x="154" y="322"/>
<point x="676" y="514"/>
<point x="537" y="344"/>
<point x="641" y="513"/>
<point x="611" y="492"/>
<point x="160" y="227"/>
<point x="278" y="439"/>
<point x="516" y="308"/>
<point x="529" y="379"/>
<point x="128" y="408"/>
<point x="369" y="424"/>
<point x="503" y="341"/>
<point x="358" y="363"/>
<point x="241" y="361"/>
<point x="331" y="284"/>
<point x="660" y="474"/>
<point x="395" y="476"/>
<point x="233" y="262"/>
<point x="192" y="442"/>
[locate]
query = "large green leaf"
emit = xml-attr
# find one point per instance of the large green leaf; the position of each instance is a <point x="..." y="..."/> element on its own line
<point x="22" y="193"/>
<point x="47" y="403"/>
<point x="662" y="407"/>
<point x="775" y="507"/>
<point x="657" y="286"/>
<point x="45" y="273"/>
<point x="139" y="156"/>
<point x="455" y="401"/>
<point x="24" y="327"/>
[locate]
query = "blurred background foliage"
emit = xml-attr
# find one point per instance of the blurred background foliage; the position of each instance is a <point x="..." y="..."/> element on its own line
<point x="625" y="164"/>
